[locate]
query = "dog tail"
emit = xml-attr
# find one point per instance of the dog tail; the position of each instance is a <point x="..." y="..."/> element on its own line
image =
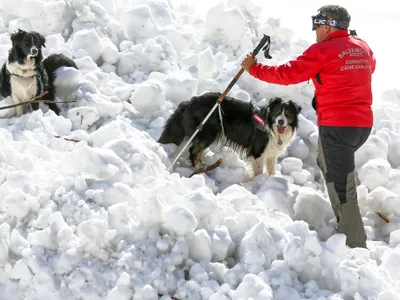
<point x="174" y="131"/>
<point x="55" y="61"/>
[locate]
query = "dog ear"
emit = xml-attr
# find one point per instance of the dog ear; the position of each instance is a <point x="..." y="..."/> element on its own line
<point x="273" y="101"/>
<point x="41" y="38"/>
<point x="14" y="36"/>
<point x="295" y="105"/>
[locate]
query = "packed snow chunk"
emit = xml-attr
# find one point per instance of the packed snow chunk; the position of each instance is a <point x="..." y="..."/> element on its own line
<point x="236" y="196"/>
<point x="388" y="295"/>
<point x="108" y="51"/>
<point x="301" y="177"/>
<point x="89" y="41"/>
<point x="285" y="293"/>
<point x="182" y="41"/>
<point x="253" y="287"/>
<point x="229" y="32"/>
<point x="291" y="164"/>
<point x="112" y="193"/>
<point x="306" y="129"/>
<point x="376" y="172"/>
<point x="206" y="66"/>
<point x="382" y="200"/>
<point x="200" y="246"/>
<point x="20" y="23"/>
<point x="374" y="147"/>
<point x="200" y="203"/>
<point x="48" y="17"/>
<point x="100" y="164"/>
<point x="180" y="86"/>
<point x="394" y="238"/>
<point x="107" y="107"/>
<point x="122" y="218"/>
<point x="4" y="244"/>
<point x="138" y="23"/>
<point x="394" y="151"/>
<point x="54" y="42"/>
<point x="179" y="219"/>
<point x="22" y="272"/>
<point x="18" y="243"/>
<point x="146" y="292"/>
<point x="43" y="238"/>
<point x="122" y="290"/>
<point x="258" y="247"/>
<point x="299" y="149"/>
<point x="93" y="233"/>
<point x="148" y="98"/>
<point x="156" y="55"/>
<point x="337" y="243"/>
<point x="313" y="208"/>
<point x="67" y="82"/>
<point x="221" y="242"/>
<point x="151" y="207"/>
<point x="83" y="117"/>
<point x="276" y="192"/>
<point x="141" y="157"/>
<point x="17" y="204"/>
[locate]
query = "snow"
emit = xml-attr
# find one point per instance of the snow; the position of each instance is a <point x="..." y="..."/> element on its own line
<point x="88" y="209"/>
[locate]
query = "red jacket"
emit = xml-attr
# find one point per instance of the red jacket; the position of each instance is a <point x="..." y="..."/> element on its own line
<point x="340" y="67"/>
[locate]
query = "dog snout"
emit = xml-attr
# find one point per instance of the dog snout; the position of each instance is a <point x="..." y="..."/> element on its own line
<point x="34" y="51"/>
<point x="281" y="122"/>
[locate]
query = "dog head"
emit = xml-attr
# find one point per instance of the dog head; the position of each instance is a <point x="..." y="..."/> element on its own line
<point x="28" y="43"/>
<point x="283" y="114"/>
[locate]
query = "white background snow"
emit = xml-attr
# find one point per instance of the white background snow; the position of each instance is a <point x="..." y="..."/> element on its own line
<point x="102" y="218"/>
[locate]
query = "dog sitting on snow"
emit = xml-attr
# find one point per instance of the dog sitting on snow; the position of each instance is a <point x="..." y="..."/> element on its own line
<point x="263" y="135"/>
<point x="26" y="75"/>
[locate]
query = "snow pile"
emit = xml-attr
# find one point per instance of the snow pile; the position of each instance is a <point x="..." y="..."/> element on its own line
<point x="89" y="211"/>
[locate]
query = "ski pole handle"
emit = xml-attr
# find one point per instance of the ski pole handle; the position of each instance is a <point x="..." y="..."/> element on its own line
<point x="265" y="41"/>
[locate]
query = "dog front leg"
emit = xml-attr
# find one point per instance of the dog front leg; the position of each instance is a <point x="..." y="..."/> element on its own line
<point x="19" y="110"/>
<point x="257" y="164"/>
<point x="270" y="164"/>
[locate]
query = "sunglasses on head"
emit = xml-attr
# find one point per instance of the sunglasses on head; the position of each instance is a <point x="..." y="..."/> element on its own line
<point x="323" y="19"/>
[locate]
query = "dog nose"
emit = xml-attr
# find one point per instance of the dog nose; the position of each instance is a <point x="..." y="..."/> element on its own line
<point x="34" y="51"/>
<point x="281" y="122"/>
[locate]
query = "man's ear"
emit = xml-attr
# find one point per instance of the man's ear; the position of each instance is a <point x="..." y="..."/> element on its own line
<point x="295" y="105"/>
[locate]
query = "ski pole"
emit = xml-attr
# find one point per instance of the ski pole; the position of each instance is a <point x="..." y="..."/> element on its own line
<point x="265" y="41"/>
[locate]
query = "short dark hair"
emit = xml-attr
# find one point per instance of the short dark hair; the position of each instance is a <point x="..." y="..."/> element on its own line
<point x="336" y="12"/>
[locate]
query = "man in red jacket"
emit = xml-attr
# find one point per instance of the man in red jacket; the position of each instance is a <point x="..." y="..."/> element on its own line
<point x="340" y="66"/>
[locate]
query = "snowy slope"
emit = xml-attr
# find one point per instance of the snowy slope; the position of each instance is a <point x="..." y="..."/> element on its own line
<point x="100" y="217"/>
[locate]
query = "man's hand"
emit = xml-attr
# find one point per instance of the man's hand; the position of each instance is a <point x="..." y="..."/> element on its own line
<point x="248" y="62"/>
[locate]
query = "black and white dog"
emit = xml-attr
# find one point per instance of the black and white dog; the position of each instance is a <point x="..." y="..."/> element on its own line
<point x="26" y="75"/>
<point x="263" y="134"/>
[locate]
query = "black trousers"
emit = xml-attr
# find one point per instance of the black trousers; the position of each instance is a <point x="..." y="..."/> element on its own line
<point x="336" y="151"/>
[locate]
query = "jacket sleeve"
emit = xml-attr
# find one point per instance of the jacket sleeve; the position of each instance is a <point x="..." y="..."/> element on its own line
<point x="295" y="71"/>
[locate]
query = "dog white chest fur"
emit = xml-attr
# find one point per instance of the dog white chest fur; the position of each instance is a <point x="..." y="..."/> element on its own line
<point x="23" y="83"/>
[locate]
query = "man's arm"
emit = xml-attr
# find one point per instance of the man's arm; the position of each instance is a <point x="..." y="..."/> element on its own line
<point x="301" y="69"/>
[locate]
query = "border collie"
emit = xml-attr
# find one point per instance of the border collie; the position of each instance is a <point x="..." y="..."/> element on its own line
<point x="26" y="75"/>
<point x="262" y="134"/>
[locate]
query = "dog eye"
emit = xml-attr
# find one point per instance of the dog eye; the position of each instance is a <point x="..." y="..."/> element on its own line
<point x="288" y="114"/>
